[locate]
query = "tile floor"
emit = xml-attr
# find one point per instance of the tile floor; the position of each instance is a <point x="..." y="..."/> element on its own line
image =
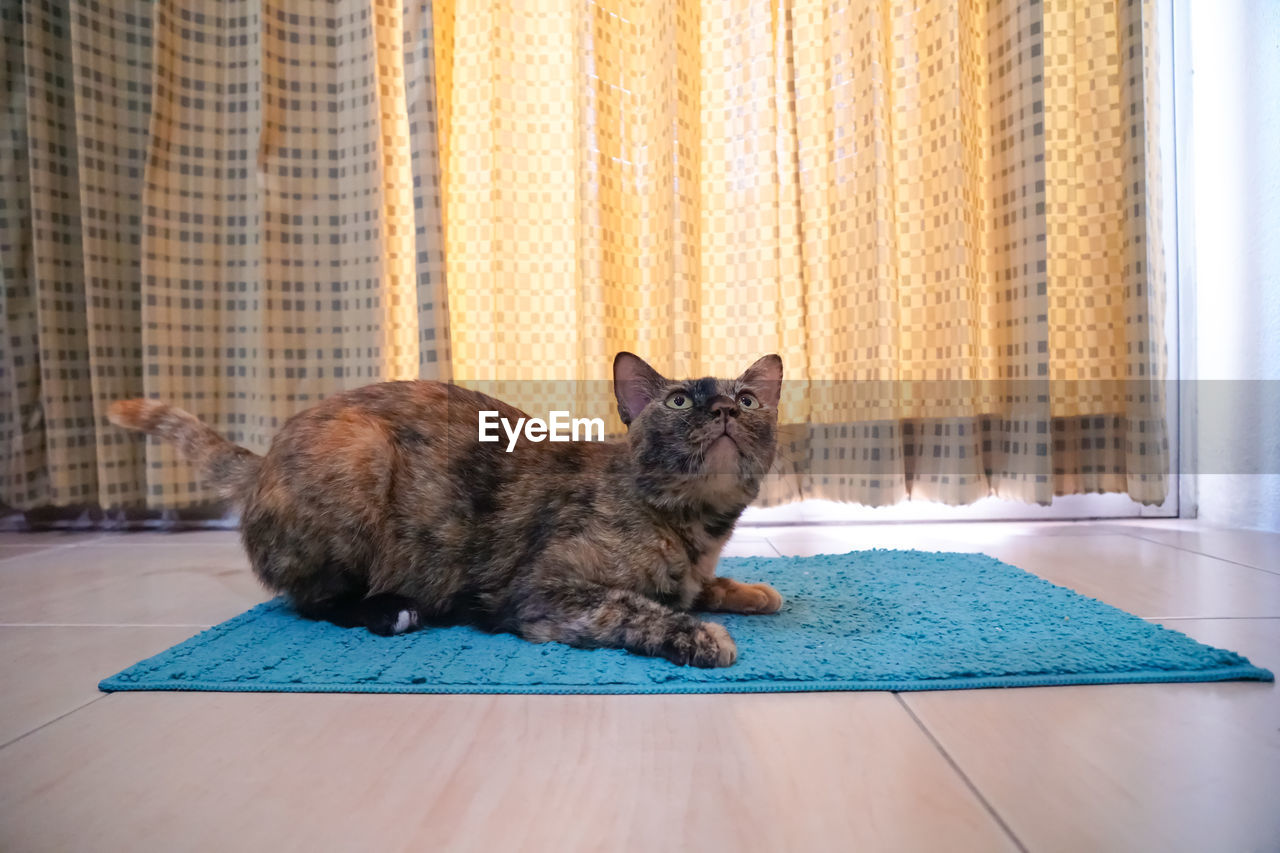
<point x="1128" y="767"/>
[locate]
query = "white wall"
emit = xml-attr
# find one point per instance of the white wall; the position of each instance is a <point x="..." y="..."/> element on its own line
<point x="1235" y="157"/>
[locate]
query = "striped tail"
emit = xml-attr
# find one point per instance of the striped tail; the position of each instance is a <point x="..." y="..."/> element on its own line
<point x="229" y="469"/>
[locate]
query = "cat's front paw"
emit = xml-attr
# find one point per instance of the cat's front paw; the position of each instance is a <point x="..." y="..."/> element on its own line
<point x="730" y="596"/>
<point x="765" y="599"/>
<point x="706" y="645"/>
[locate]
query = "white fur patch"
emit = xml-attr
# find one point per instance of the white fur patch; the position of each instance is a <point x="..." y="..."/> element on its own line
<point x="405" y="620"/>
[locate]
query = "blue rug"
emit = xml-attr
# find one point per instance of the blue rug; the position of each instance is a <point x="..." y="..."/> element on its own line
<point x="868" y="620"/>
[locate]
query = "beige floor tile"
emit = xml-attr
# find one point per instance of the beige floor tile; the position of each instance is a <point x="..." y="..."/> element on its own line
<point x="1165" y="767"/>
<point x="1255" y="548"/>
<point x="1125" y="767"/>
<point x="285" y="772"/>
<point x="198" y="584"/>
<point x="48" y="672"/>
<point x="49" y="537"/>
<point x="126" y="538"/>
<point x="11" y="552"/>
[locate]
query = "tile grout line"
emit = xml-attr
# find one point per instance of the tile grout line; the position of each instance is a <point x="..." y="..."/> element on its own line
<point x="110" y="541"/>
<point x="963" y="776"/>
<point x="47" y="723"/>
<point x="50" y="549"/>
<point x="1203" y="618"/>
<point x="105" y="624"/>
<point x="107" y="540"/>
<point x="38" y="550"/>
<point x="1202" y="554"/>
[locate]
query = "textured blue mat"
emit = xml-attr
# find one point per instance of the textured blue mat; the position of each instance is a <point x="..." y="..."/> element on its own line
<point x="868" y="620"/>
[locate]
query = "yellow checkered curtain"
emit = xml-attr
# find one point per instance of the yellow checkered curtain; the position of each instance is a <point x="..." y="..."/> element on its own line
<point x="940" y="214"/>
<point x="232" y="206"/>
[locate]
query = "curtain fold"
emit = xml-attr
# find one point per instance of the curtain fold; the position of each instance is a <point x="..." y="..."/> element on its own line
<point x="938" y="213"/>
<point x="77" y="95"/>
<point x="231" y="206"/>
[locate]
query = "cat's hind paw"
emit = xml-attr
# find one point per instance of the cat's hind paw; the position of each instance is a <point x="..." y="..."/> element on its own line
<point x="387" y="614"/>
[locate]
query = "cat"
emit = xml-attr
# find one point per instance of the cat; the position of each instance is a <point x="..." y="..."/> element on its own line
<point x="379" y="507"/>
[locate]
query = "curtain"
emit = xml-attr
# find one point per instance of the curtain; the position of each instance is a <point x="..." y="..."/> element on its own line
<point x="234" y="206"/>
<point x="940" y="214"/>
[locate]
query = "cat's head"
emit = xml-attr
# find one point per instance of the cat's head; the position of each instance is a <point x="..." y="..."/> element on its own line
<point x="707" y="441"/>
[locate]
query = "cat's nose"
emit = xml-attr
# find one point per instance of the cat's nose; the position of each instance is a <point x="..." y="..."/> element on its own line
<point x="724" y="404"/>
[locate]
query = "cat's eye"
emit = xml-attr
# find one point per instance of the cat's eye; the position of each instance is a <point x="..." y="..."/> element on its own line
<point x="679" y="400"/>
<point x="747" y="401"/>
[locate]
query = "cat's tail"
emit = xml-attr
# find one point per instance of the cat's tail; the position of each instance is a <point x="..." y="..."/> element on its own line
<point x="229" y="469"/>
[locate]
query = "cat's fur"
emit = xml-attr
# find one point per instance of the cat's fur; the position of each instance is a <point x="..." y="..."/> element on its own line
<point x="380" y="507"/>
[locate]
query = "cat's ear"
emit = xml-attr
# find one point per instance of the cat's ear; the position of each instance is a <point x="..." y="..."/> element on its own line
<point x="765" y="378"/>
<point x="635" y="384"/>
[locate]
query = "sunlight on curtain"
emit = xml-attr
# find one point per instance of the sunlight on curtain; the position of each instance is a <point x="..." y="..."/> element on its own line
<point x="399" y="297"/>
<point x="937" y="213"/>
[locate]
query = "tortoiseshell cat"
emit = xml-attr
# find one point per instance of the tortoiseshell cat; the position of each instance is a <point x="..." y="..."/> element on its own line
<point x="380" y="507"/>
